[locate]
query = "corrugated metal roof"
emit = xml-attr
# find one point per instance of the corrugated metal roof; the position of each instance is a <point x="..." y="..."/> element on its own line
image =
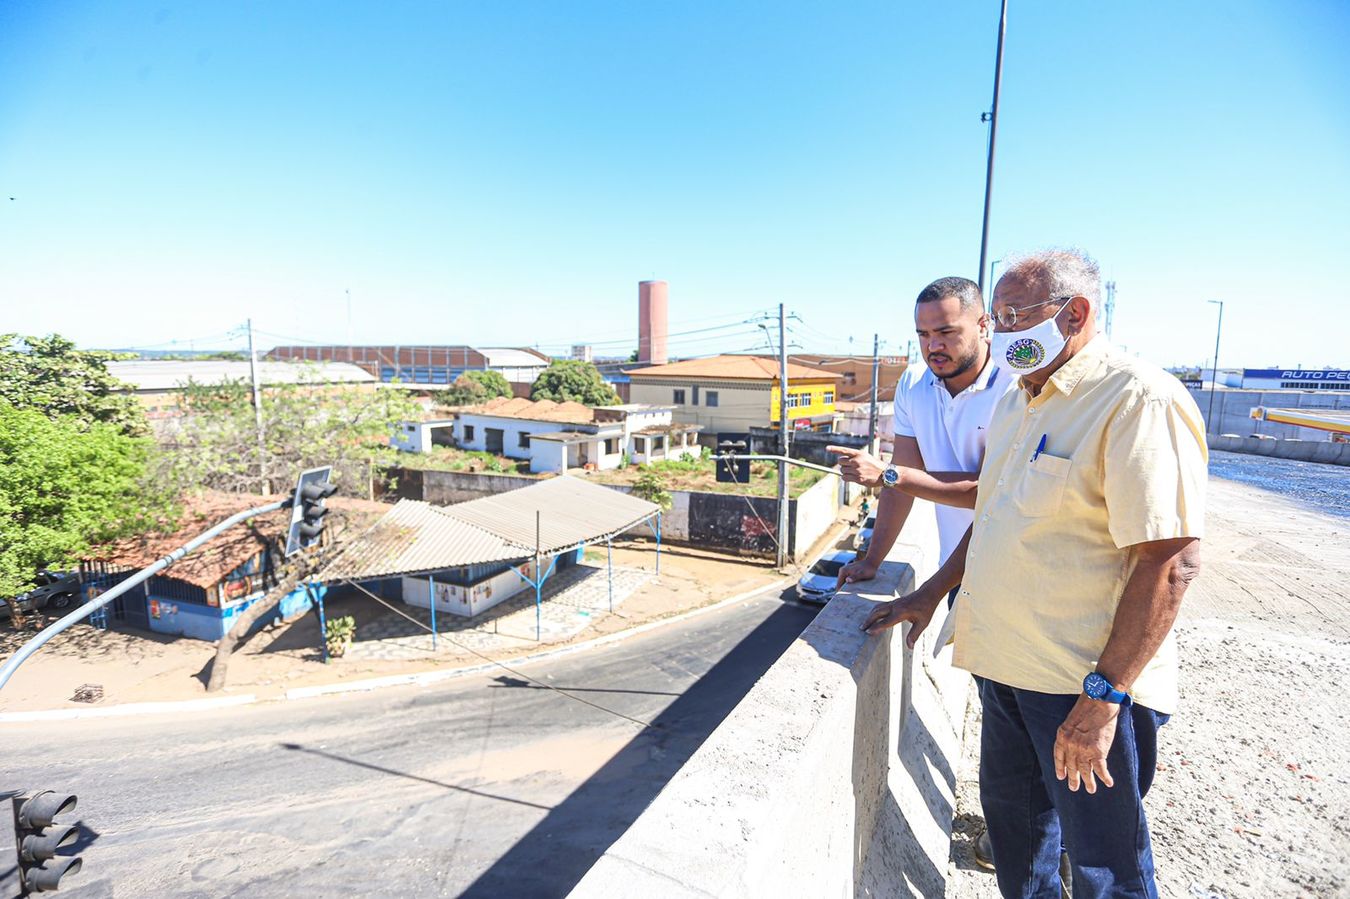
<point x="510" y="357"/>
<point x="571" y="512"/>
<point x="416" y="537"/>
<point x="171" y="374"/>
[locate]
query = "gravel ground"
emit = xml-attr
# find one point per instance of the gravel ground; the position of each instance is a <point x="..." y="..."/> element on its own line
<point x="1253" y="788"/>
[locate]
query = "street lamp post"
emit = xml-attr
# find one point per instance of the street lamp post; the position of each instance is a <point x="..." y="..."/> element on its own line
<point x="992" y="118"/>
<point x="1214" y="372"/>
<point x="992" y="265"/>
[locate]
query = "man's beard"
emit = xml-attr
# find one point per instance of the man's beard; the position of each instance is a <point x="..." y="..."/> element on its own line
<point x="966" y="364"/>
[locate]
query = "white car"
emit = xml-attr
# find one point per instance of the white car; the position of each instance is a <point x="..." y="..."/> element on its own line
<point x="817" y="585"/>
<point x="863" y="538"/>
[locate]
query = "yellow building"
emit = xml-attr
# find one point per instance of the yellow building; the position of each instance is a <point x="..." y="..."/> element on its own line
<point x="733" y="393"/>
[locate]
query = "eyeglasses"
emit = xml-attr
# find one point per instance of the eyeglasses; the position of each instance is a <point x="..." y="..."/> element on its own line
<point x="1007" y="316"/>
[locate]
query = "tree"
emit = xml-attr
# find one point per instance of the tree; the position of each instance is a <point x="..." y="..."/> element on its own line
<point x="50" y="375"/>
<point x="651" y="486"/>
<point x="573" y="380"/>
<point x="474" y="387"/>
<point x="214" y="443"/>
<point x="65" y="484"/>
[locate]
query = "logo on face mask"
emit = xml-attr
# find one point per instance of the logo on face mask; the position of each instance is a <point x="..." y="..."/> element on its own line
<point x="1024" y="353"/>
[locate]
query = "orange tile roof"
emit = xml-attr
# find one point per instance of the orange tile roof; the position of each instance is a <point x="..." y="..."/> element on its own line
<point x="535" y="410"/>
<point x="205" y="566"/>
<point x="734" y="368"/>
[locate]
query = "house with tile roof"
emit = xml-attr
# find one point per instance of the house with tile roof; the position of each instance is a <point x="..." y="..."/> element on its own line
<point x="730" y="394"/>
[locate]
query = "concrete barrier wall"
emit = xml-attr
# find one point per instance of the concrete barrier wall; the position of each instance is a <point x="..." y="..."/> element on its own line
<point x="1232" y="410"/>
<point x="833" y="777"/>
<point x="1301" y="450"/>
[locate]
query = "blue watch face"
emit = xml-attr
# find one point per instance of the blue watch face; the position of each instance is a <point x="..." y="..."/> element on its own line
<point x="890" y="477"/>
<point x="1096" y="686"/>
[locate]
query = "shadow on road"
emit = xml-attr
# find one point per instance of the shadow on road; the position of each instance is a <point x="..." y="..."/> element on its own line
<point x="522" y="684"/>
<point x="550" y="859"/>
<point x="296" y="747"/>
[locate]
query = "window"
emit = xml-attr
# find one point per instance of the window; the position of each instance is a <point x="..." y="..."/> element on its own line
<point x="679" y="398"/>
<point x="523" y="441"/>
<point x="658" y="444"/>
<point x="710" y="398"/>
<point x="611" y="446"/>
<point x="468" y="434"/>
<point x="851" y="378"/>
<point x="828" y="397"/>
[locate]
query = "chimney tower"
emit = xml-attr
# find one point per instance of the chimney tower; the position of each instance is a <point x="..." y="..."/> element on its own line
<point x="653" y="303"/>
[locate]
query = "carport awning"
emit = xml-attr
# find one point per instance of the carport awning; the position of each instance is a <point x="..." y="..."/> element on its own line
<point x="417" y="538"/>
<point x="570" y="512"/>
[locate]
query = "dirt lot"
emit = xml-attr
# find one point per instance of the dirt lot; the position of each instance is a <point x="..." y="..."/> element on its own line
<point x="1252" y="797"/>
<point x="700" y="475"/>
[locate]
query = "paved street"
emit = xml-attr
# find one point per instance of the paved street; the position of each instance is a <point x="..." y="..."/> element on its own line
<point x="488" y="786"/>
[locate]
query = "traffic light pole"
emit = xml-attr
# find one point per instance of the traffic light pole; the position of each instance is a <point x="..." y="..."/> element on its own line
<point x="136" y="579"/>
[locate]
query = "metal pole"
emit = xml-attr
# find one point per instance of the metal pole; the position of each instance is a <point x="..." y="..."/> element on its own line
<point x="993" y="264"/>
<point x="351" y="351"/>
<point x="1215" y="371"/>
<point x="323" y="624"/>
<point x="782" y="438"/>
<point x="658" y="544"/>
<point x="431" y="592"/>
<point x="993" y="136"/>
<point x="257" y="412"/>
<point x="609" y="569"/>
<point x="876" y="374"/>
<point x="538" y="581"/>
<point x="135" y="580"/>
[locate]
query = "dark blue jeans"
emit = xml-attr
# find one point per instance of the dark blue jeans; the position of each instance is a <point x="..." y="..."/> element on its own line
<point x="1030" y="813"/>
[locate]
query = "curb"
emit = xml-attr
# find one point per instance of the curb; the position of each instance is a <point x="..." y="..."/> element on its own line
<point x="377" y="683"/>
<point x="132" y="708"/>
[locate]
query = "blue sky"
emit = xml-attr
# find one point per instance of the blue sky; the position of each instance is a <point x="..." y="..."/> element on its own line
<point x="504" y="173"/>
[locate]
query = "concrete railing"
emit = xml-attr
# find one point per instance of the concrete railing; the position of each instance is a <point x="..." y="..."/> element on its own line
<point x="833" y="777"/>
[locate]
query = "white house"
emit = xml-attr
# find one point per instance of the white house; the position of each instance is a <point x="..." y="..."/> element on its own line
<point x="554" y="437"/>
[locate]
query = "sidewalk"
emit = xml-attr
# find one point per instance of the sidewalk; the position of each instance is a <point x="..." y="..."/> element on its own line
<point x="139" y="667"/>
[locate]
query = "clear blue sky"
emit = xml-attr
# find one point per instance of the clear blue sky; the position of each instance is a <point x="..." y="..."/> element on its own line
<point x="504" y="173"/>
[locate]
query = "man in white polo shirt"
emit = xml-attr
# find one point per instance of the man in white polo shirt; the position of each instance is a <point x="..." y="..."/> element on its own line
<point x="941" y="413"/>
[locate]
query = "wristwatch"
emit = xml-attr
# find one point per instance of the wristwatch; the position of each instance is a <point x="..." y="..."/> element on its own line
<point x="1098" y="687"/>
<point x="890" y="476"/>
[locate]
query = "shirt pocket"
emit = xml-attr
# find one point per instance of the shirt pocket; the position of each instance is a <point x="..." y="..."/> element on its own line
<point x="1041" y="491"/>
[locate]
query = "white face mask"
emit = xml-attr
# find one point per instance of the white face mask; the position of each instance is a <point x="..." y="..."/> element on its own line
<point x="1031" y="350"/>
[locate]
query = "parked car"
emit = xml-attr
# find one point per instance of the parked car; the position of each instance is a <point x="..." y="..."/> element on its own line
<point x="55" y="590"/>
<point x="817" y="585"/>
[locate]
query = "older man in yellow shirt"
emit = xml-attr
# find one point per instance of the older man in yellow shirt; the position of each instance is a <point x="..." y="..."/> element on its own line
<point x="1088" y="516"/>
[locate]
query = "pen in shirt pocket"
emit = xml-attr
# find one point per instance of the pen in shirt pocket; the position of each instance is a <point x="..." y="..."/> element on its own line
<point x="1040" y="448"/>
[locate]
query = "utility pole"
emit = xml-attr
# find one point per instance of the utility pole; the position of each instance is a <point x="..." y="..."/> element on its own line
<point x="257" y="411"/>
<point x="1209" y="418"/>
<point x="351" y="353"/>
<point x="782" y="439"/>
<point x="876" y="373"/>
<point x="1110" y="306"/>
<point x="992" y="118"/>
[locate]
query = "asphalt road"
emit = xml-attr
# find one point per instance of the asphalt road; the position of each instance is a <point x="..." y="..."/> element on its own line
<point x="486" y="786"/>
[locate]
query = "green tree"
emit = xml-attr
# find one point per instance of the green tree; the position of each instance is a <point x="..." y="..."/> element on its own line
<point x="214" y="443"/>
<point x="66" y="484"/>
<point x="474" y="387"/>
<point x="50" y="375"/>
<point x="573" y="380"/>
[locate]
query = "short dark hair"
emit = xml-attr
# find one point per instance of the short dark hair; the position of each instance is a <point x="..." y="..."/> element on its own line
<point x="964" y="289"/>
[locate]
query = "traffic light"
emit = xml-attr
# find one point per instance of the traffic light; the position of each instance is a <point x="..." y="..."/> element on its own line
<point x="307" y="508"/>
<point x="37" y="837"/>
<point x="732" y="471"/>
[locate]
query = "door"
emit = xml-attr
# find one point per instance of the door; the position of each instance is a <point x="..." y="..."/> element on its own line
<point x="495" y="439"/>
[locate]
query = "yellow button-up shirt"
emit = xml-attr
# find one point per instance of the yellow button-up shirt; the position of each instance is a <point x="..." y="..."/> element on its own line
<point x="1122" y="461"/>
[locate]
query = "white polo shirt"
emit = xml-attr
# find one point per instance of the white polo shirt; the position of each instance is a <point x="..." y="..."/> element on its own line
<point x="950" y="431"/>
